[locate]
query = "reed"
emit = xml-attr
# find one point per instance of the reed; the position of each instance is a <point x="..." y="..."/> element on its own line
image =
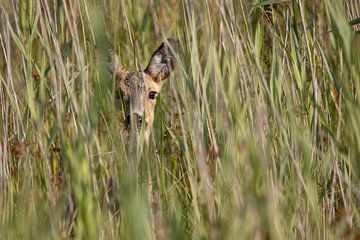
<point x="255" y="135"/>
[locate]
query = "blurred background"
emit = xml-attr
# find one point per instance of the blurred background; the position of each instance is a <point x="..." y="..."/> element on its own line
<point x="256" y="134"/>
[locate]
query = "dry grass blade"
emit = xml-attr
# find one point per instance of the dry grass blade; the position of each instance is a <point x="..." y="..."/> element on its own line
<point x="255" y="134"/>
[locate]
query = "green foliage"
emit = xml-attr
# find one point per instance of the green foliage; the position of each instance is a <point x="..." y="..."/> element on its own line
<point x="256" y="134"/>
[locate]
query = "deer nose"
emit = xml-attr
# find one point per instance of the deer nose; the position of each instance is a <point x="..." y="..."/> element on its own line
<point x="138" y="119"/>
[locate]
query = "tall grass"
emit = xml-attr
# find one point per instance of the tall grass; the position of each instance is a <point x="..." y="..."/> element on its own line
<point x="256" y="134"/>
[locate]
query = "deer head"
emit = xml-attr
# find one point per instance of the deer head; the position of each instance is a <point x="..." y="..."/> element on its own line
<point x="139" y="89"/>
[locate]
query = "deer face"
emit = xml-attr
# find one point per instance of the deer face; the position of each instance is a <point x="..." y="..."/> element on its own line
<point x="140" y="89"/>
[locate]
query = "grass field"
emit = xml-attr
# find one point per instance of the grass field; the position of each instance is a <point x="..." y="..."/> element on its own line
<point x="256" y="134"/>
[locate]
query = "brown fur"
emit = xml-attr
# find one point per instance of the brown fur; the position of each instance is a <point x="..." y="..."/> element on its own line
<point x="139" y="89"/>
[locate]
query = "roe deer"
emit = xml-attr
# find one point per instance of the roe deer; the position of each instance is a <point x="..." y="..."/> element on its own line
<point x="139" y="89"/>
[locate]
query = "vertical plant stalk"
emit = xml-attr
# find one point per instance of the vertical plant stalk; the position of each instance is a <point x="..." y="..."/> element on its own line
<point x="353" y="11"/>
<point x="317" y="93"/>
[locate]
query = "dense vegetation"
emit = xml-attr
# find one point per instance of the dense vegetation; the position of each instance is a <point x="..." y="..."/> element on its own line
<point x="256" y="134"/>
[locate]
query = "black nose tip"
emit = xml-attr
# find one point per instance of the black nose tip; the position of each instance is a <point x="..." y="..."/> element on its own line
<point x="138" y="119"/>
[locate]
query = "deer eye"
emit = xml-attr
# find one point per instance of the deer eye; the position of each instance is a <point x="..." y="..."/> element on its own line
<point x="152" y="95"/>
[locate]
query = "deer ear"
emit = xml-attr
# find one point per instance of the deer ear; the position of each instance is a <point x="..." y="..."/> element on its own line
<point x="122" y="76"/>
<point x="163" y="61"/>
